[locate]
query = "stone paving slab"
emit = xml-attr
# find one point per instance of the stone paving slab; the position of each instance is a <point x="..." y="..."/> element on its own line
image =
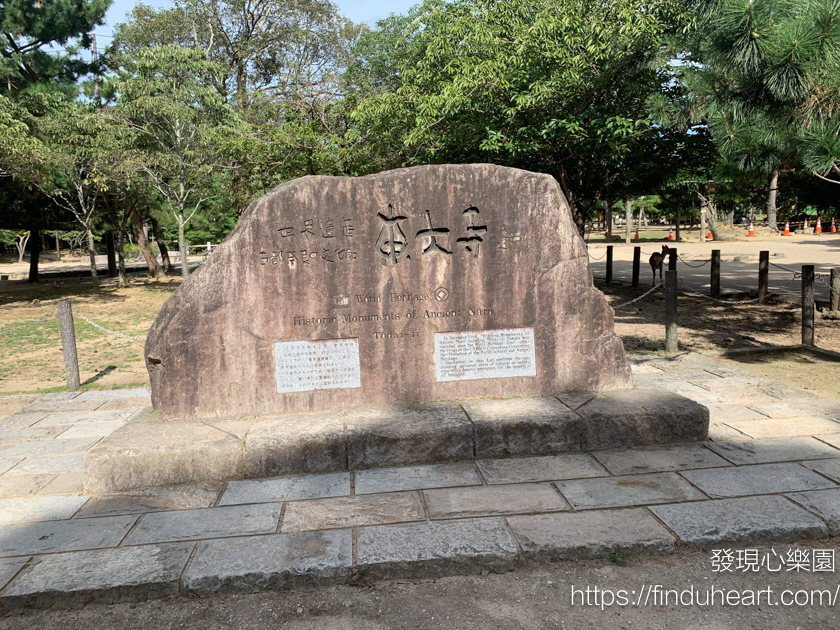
<point x="611" y="492"/>
<point x="21" y="420"/>
<point x="499" y="500"/>
<point x="724" y="413"/>
<point x="237" y="520"/>
<point x="832" y="439"/>
<point x="658" y="459"/>
<point x="760" y="479"/>
<point x="827" y="467"/>
<point x="125" y="403"/>
<point x="707" y="399"/>
<point x="416" y="478"/>
<point x="287" y="489"/>
<point x="531" y="469"/>
<point x="141" y="392"/>
<point x="86" y="417"/>
<point x="63" y="407"/>
<point x="786" y="392"/>
<point x="355" y="511"/>
<point x="183" y="497"/>
<point x="403" y="435"/>
<point x="745" y="521"/>
<point x="723" y="433"/>
<point x="786" y="427"/>
<point x="91" y="430"/>
<point x="58" y="396"/>
<point x="524" y="426"/>
<point x="106" y="576"/>
<point x="31" y="509"/>
<point x="823" y="503"/>
<point x="56" y="536"/>
<point x="7" y="463"/>
<point x="785" y="409"/>
<point x="774" y="450"/>
<point x="573" y="400"/>
<point x="435" y="548"/>
<point x="749" y="397"/>
<point x="22" y="485"/>
<point x="729" y="383"/>
<point x="50" y="464"/>
<point x="32" y="433"/>
<point x="269" y="562"/>
<point x="590" y="534"/>
<point x="9" y="567"/>
<point x="65" y="483"/>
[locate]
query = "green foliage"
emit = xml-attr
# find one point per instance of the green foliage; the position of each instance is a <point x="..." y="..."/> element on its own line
<point x="29" y="27"/>
<point x="557" y="86"/>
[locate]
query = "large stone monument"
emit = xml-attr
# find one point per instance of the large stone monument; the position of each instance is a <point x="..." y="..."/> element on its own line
<point x="423" y="315"/>
<point x="419" y="284"/>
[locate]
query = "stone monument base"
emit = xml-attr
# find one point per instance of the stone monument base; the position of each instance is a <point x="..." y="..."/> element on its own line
<point x="148" y="452"/>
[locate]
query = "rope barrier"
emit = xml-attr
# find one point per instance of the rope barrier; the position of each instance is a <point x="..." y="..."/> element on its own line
<point x="687" y="288"/>
<point x="110" y="332"/>
<point x="705" y="262"/>
<point x="634" y="300"/>
<point x="593" y="257"/>
<point x="29" y="325"/>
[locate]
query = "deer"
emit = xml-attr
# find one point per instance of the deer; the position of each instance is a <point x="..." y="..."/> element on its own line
<point x="657" y="260"/>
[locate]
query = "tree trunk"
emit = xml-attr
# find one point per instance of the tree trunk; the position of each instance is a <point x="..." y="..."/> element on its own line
<point x="706" y="206"/>
<point x="161" y="243"/>
<point x="151" y="261"/>
<point x="92" y="255"/>
<point x="21" y="245"/>
<point x="120" y="243"/>
<point x="609" y="219"/>
<point x="771" y="199"/>
<point x="182" y="247"/>
<point x="628" y="220"/>
<point x="677" y="221"/>
<point x="34" y="254"/>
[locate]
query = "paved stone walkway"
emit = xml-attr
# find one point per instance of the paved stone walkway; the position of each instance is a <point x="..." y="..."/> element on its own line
<point x="770" y="473"/>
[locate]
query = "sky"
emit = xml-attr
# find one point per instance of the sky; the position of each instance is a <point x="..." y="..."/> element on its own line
<point x="357" y="10"/>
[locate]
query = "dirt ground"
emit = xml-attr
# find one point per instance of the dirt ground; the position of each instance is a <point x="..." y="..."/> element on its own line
<point x="528" y="597"/>
<point x="31" y="359"/>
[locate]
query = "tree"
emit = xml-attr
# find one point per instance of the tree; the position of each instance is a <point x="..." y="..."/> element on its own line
<point x="556" y="86"/>
<point x="760" y="61"/>
<point x="28" y="29"/>
<point x="182" y="127"/>
<point x="18" y="238"/>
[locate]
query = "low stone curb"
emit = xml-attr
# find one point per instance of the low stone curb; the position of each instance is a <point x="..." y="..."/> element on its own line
<point x="426" y="549"/>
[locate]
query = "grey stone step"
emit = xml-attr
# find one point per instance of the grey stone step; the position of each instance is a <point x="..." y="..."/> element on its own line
<point x="424" y="549"/>
<point x="147" y="453"/>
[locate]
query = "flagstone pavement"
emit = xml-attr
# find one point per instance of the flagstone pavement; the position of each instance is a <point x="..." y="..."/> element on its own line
<point x="770" y="472"/>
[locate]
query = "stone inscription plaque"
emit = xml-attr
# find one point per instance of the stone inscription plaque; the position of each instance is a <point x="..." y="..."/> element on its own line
<point x="464" y="356"/>
<point x="444" y="278"/>
<point x="302" y="366"/>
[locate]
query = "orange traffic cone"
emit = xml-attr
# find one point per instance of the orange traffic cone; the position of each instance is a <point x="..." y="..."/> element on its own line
<point x="833" y="227"/>
<point x="818" y="229"/>
<point x="670" y="234"/>
<point x="806" y="227"/>
<point x="752" y="230"/>
<point x="710" y="236"/>
<point x="636" y="238"/>
<point x="787" y="229"/>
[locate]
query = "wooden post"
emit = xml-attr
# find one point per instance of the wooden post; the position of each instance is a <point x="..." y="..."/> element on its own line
<point x="637" y="261"/>
<point x="609" y="263"/>
<point x="672" y="259"/>
<point x="763" y="274"/>
<point x="807" y="305"/>
<point x="57" y="247"/>
<point x="68" y="344"/>
<point x="834" y="292"/>
<point x="715" y="281"/>
<point x="702" y="227"/>
<point x="671" y="311"/>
